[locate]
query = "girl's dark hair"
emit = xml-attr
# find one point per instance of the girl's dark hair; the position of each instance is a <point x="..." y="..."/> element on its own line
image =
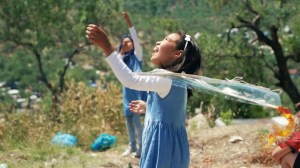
<point x="190" y="63"/>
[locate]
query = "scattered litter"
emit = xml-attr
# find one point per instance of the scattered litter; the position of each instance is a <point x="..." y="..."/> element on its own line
<point x="234" y="139"/>
<point x="219" y="122"/>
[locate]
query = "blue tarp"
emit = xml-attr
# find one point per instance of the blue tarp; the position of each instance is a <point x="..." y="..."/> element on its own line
<point x="104" y="141"/>
<point x="64" y="140"/>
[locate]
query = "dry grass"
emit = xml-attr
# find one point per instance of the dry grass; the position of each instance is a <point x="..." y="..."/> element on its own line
<point x="89" y="111"/>
<point x="85" y="112"/>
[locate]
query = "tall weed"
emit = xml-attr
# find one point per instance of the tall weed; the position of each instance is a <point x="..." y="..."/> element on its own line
<point x="85" y="112"/>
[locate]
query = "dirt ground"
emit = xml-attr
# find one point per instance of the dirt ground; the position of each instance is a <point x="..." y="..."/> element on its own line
<point x="211" y="148"/>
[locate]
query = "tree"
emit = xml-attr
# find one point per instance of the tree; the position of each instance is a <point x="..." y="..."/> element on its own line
<point x="53" y="31"/>
<point x="276" y="49"/>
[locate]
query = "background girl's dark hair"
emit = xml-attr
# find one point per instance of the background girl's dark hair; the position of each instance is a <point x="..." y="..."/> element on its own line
<point x="120" y="46"/>
<point x="190" y="63"/>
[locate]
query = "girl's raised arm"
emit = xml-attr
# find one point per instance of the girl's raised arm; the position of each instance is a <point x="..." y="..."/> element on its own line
<point x="160" y="85"/>
<point x="143" y="83"/>
<point x="133" y="34"/>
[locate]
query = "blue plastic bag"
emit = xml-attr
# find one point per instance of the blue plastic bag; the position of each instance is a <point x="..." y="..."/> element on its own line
<point x="64" y="140"/>
<point x="104" y="141"/>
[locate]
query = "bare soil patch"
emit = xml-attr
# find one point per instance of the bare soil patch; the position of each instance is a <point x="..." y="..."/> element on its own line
<point x="211" y="148"/>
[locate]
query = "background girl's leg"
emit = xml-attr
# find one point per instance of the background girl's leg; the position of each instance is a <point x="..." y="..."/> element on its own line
<point x="139" y="129"/>
<point x="131" y="134"/>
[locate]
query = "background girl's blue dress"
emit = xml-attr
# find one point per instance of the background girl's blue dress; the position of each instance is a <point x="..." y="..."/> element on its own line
<point x="129" y="94"/>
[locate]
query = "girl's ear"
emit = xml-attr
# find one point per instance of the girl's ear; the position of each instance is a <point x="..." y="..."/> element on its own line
<point x="178" y="54"/>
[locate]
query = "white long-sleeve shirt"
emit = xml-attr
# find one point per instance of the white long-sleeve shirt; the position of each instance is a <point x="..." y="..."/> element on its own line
<point x="137" y="47"/>
<point x="157" y="84"/>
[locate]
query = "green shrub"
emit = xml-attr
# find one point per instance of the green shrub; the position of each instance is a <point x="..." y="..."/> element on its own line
<point x="226" y="116"/>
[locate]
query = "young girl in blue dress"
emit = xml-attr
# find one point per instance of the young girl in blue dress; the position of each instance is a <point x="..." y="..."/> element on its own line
<point x="132" y="55"/>
<point x="165" y="142"/>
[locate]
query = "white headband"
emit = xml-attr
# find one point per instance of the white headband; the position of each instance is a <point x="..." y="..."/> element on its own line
<point x="187" y="39"/>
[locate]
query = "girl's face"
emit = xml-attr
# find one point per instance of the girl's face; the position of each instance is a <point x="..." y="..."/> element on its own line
<point x="127" y="45"/>
<point x="165" y="52"/>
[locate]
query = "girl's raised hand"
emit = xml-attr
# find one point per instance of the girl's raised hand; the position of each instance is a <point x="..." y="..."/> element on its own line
<point x="138" y="106"/>
<point x="127" y="19"/>
<point x="99" y="37"/>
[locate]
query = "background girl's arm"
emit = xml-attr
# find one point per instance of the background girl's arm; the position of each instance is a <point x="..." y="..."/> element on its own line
<point x="133" y="34"/>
